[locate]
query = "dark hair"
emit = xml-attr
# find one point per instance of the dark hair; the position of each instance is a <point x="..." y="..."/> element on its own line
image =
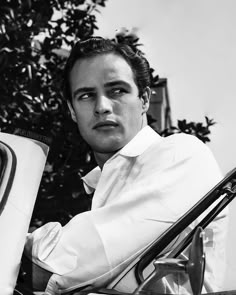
<point x="97" y="45"/>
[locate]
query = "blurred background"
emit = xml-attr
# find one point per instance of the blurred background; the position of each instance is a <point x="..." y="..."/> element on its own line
<point x="191" y="47"/>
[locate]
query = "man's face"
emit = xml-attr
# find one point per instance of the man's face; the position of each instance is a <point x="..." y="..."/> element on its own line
<point x="105" y="102"/>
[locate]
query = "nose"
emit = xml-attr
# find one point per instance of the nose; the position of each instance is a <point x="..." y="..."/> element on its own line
<point x="103" y="105"/>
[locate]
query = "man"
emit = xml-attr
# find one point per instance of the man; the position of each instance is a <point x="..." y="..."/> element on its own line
<point x="142" y="185"/>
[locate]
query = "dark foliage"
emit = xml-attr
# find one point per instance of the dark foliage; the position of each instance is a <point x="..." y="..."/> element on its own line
<point x="198" y="129"/>
<point x="30" y="92"/>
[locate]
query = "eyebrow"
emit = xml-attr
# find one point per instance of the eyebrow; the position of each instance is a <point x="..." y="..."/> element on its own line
<point x="117" y="82"/>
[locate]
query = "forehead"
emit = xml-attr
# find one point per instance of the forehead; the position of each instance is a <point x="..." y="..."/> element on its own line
<point x="100" y="69"/>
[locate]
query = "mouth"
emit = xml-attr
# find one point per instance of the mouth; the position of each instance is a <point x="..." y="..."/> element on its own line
<point x="105" y="125"/>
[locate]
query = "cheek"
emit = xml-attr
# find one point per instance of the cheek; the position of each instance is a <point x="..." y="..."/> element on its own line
<point x="82" y="120"/>
<point x="84" y="131"/>
<point x="83" y="113"/>
<point x="133" y="111"/>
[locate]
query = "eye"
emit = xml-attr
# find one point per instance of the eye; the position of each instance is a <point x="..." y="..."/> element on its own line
<point x="118" y="91"/>
<point x="85" y="96"/>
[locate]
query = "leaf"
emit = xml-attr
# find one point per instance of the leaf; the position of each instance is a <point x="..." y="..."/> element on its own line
<point x="7" y="12"/>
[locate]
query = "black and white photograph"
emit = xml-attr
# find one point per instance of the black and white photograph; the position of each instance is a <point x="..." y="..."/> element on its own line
<point x="117" y="147"/>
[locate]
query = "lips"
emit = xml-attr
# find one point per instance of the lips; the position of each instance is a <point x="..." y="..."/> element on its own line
<point x="105" y="124"/>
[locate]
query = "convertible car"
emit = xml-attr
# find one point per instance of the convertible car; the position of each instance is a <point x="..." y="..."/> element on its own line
<point x="22" y="159"/>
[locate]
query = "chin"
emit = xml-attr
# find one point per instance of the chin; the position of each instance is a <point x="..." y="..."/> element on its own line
<point x="107" y="150"/>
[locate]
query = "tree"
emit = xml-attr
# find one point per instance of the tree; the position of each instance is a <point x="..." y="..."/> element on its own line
<point x="32" y="33"/>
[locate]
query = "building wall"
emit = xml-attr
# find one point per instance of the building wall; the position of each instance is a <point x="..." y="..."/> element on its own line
<point x="192" y="43"/>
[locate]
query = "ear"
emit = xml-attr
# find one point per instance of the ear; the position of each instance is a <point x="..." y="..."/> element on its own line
<point x="72" y="112"/>
<point x="145" y="98"/>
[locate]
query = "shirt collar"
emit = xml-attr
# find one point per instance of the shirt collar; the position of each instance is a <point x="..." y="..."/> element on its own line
<point x="144" y="138"/>
<point x="140" y="142"/>
<point x="90" y="180"/>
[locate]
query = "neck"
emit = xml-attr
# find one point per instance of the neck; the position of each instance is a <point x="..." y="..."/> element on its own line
<point x="101" y="158"/>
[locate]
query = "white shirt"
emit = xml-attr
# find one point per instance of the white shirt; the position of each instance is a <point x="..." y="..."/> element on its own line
<point x="142" y="190"/>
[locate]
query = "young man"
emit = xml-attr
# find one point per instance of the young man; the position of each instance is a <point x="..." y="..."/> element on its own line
<point x="142" y="185"/>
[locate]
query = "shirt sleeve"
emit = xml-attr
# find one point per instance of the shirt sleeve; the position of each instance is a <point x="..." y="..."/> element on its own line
<point x="92" y="248"/>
